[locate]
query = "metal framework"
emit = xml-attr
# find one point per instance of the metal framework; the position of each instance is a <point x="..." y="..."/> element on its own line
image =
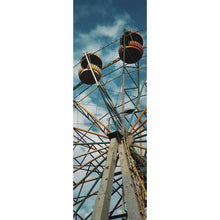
<point x="109" y="161"/>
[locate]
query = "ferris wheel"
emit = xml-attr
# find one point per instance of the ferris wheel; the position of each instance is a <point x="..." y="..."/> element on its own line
<point x="109" y="132"/>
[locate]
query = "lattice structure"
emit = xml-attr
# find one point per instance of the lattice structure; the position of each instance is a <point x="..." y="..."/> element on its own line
<point x="109" y="161"/>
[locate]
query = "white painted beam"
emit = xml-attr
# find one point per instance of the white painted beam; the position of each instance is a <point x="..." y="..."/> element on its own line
<point x="129" y="192"/>
<point x="103" y="198"/>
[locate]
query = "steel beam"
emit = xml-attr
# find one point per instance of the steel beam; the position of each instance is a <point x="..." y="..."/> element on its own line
<point x="138" y="119"/>
<point x="86" y="195"/>
<point x="90" y="152"/>
<point x="112" y="62"/>
<point x="91" y="132"/>
<point x="103" y="198"/>
<point x="139" y="126"/>
<point x="118" y="216"/>
<point x="139" y="95"/>
<point x="97" y="120"/>
<point x="107" y="142"/>
<point x="91" y="171"/>
<point x="130" y="197"/>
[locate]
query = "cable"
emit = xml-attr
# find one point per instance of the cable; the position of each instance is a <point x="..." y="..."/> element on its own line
<point x="107" y="46"/>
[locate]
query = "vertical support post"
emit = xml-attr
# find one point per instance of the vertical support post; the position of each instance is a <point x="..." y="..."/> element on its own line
<point x="123" y="86"/>
<point x="139" y="105"/>
<point x="99" y="87"/>
<point x="130" y="196"/>
<point x="142" y="87"/>
<point x="103" y="198"/>
<point x="123" y="205"/>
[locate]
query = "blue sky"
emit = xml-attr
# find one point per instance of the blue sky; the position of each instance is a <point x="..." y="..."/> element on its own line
<point x="89" y="13"/>
<point x="105" y="21"/>
<point x="98" y="23"/>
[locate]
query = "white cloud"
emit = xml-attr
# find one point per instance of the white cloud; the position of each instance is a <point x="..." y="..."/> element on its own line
<point x="113" y="30"/>
<point x="100" y="36"/>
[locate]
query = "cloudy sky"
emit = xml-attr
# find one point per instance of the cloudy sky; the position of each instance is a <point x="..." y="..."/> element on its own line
<point x="97" y="24"/>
